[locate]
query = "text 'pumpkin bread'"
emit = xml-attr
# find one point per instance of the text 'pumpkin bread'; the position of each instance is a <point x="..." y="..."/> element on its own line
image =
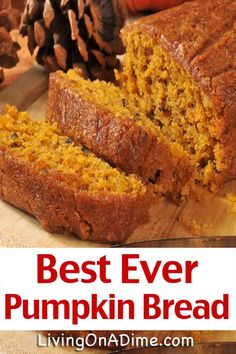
<point x="66" y="187"/>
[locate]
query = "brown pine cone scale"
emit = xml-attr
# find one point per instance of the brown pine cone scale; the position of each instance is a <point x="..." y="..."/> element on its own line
<point x="76" y="34"/>
<point x="9" y="19"/>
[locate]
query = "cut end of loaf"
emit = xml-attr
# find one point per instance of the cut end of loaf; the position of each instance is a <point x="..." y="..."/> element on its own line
<point x="164" y="92"/>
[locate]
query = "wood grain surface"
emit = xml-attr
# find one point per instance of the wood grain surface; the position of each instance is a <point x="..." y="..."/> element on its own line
<point x="214" y="215"/>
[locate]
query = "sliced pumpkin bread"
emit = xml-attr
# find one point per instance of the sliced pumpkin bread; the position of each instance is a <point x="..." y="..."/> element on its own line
<point x="66" y="187"/>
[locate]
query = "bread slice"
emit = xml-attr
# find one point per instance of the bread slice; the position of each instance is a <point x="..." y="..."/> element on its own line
<point x="98" y="115"/>
<point x="180" y="70"/>
<point x="66" y="187"/>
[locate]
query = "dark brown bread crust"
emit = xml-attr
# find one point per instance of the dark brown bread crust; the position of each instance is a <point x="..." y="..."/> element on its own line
<point x="201" y="37"/>
<point x="119" y="141"/>
<point x="59" y="208"/>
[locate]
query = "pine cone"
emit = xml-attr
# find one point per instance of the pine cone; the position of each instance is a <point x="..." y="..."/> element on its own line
<point x="9" y="19"/>
<point x="76" y="34"/>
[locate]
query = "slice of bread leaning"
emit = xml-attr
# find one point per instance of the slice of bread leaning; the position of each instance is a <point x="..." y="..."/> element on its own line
<point x="98" y="115"/>
<point x="66" y="187"/>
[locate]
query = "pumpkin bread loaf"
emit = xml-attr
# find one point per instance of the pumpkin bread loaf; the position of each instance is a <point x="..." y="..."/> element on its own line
<point x="173" y="120"/>
<point x="180" y="71"/>
<point x="99" y="115"/>
<point x="66" y="187"/>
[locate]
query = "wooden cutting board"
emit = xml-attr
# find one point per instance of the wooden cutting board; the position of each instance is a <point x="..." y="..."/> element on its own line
<point x="215" y="215"/>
